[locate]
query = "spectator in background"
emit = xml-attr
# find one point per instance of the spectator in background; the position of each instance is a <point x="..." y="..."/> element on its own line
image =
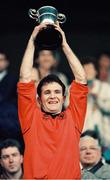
<point x="11" y="159"/>
<point x="93" y="166"/>
<point x="46" y="62"/>
<point x="98" y="106"/>
<point x="104" y="67"/>
<point x="9" y="126"/>
<point x="7" y="80"/>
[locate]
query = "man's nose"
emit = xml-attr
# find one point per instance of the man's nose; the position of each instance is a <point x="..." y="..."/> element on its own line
<point x="88" y="151"/>
<point x="11" y="159"/>
<point x="52" y="95"/>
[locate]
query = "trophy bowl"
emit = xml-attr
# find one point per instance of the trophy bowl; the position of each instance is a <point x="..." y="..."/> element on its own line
<point x="48" y="38"/>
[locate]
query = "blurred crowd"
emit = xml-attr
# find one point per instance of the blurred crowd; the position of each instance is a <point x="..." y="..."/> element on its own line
<point x="95" y="141"/>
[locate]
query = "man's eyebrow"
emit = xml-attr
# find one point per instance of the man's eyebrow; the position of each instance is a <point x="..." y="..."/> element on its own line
<point x="47" y="90"/>
<point x="5" y="155"/>
<point x="57" y="89"/>
<point x="54" y="90"/>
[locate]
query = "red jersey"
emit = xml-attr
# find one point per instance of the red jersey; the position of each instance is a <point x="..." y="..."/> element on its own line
<point x="51" y="144"/>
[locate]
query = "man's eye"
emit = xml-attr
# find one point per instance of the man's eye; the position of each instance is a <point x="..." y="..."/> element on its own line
<point x="93" y="148"/>
<point x="4" y="157"/>
<point x="14" y="155"/>
<point x="83" y="149"/>
<point x="47" y="92"/>
<point x="57" y="92"/>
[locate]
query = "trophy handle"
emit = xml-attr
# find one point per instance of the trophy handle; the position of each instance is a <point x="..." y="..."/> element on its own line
<point x="61" y="18"/>
<point x="33" y="14"/>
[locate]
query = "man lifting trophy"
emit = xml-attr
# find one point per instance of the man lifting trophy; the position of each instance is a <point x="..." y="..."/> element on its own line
<point x="48" y="38"/>
<point x="51" y="134"/>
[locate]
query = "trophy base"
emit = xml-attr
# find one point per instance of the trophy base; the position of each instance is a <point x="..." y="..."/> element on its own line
<point x="48" y="38"/>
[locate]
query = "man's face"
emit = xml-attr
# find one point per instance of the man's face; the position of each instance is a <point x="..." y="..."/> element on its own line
<point x="104" y="61"/>
<point x="90" y="71"/>
<point x="11" y="159"/>
<point x="46" y="59"/>
<point x="90" y="151"/>
<point x="104" y="67"/>
<point x="52" y="98"/>
<point x="3" y="62"/>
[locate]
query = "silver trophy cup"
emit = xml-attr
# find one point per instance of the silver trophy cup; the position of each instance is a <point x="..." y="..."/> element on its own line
<point x="48" y="38"/>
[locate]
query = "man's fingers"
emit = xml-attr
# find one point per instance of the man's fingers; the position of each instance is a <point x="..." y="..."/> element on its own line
<point x="44" y="25"/>
<point x="40" y="26"/>
<point x="58" y="28"/>
<point x="57" y="23"/>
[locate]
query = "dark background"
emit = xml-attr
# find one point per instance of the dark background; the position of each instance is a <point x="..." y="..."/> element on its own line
<point x="87" y="27"/>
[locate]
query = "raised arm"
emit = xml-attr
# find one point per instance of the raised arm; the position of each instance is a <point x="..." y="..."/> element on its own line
<point x="78" y="90"/>
<point x="73" y="61"/>
<point x="27" y="62"/>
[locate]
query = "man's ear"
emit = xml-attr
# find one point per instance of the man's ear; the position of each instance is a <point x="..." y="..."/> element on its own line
<point x="7" y="64"/>
<point x="96" y="72"/>
<point x="1" y="164"/>
<point x="21" y="159"/>
<point x="64" y="98"/>
<point x="55" y="63"/>
<point x="39" y="100"/>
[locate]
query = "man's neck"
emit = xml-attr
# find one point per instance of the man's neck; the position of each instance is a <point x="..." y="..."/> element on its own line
<point x="3" y="74"/>
<point x="88" y="167"/>
<point x="53" y="114"/>
<point x="17" y="175"/>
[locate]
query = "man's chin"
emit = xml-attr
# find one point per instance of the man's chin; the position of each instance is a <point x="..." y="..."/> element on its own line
<point x="53" y="111"/>
<point x="89" y="163"/>
<point x="13" y="171"/>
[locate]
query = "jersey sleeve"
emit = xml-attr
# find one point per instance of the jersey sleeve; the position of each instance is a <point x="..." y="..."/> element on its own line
<point x="27" y="104"/>
<point x="78" y="104"/>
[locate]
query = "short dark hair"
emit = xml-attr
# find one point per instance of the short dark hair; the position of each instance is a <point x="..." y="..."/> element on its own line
<point x="91" y="133"/>
<point x="104" y="53"/>
<point x="4" y="54"/>
<point x="49" y="79"/>
<point x="88" y="60"/>
<point x="10" y="143"/>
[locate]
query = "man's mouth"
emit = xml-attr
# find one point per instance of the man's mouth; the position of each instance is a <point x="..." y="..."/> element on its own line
<point x="88" y="157"/>
<point x="12" y="166"/>
<point x="53" y="102"/>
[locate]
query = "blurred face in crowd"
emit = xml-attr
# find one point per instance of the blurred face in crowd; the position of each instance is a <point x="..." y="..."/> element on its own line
<point x="46" y="59"/>
<point x="104" y="67"/>
<point x="52" y="98"/>
<point x="11" y="160"/>
<point x="90" y="151"/>
<point x="90" y="71"/>
<point x="3" y="62"/>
